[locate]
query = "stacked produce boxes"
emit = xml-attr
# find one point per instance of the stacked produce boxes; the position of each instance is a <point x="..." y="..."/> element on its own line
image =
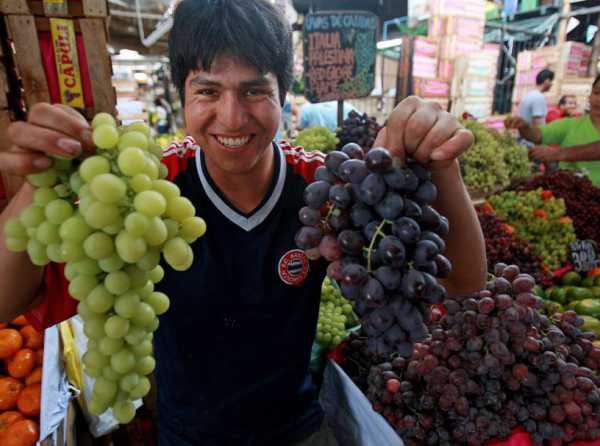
<point x="425" y="76"/>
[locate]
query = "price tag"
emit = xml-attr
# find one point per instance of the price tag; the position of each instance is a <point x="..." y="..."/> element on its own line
<point x="584" y="255"/>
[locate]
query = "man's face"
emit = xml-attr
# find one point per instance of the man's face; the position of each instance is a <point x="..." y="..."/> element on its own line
<point x="233" y="113"/>
<point x="595" y="99"/>
<point x="570" y="105"/>
<point x="547" y="85"/>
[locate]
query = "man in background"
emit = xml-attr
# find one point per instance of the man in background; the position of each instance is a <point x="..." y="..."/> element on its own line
<point x="323" y="114"/>
<point x="533" y="108"/>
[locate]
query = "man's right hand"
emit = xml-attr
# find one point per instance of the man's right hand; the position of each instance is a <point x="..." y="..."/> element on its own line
<point x="49" y="130"/>
<point x="515" y="122"/>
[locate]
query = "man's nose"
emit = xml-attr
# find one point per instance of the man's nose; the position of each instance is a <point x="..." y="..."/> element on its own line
<point x="231" y="113"/>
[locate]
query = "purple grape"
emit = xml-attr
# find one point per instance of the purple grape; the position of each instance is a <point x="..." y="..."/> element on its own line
<point x="353" y="170"/>
<point x="360" y="215"/>
<point x="308" y="237"/>
<point x="429" y="235"/>
<point x="378" y="160"/>
<point x="430" y="217"/>
<point x="412" y="210"/>
<point x="443" y="228"/>
<point x="426" y="193"/>
<point x="392" y="251"/>
<point x="407" y="230"/>
<point x="425" y="252"/>
<point x="413" y="284"/>
<point x="444" y="267"/>
<point x="420" y="172"/>
<point x="316" y="194"/>
<point x="354" y="151"/>
<point x="340" y="196"/>
<point x="349" y="291"/>
<point x="324" y="174"/>
<point x="389" y="277"/>
<point x="334" y="159"/>
<point x="309" y="216"/>
<point x="372" y="189"/>
<point x="339" y="220"/>
<point x="370" y="229"/>
<point x="373" y="294"/>
<point x="395" y="178"/>
<point x="354" y="274"/>
<point x="411" y="182"/>
<point x="351" y="242"/>
<point x="390" y="207"/>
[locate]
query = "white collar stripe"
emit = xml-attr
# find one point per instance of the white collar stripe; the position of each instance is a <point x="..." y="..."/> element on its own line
<point x="246" y="223"/>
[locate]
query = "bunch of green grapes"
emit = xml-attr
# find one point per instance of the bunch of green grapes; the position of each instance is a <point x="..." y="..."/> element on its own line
<point x="317" y="138"/>
<point x="109" y="217"/>
<point x="516" y="157"/>
<point x="543" y="222"/>
<point x="483" y="165"/>
<point x="335" y="313"/>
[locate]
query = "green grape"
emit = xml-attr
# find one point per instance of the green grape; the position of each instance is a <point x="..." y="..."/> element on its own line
<point x="117" y="282"/>
<point x="62" y="190"/>
<point x="58" y="211"/>
<point x="94" y="405"/>
<point x="192" y="228"/>
<point x="145" y="290"/>
<point x="105" y="136"/>
<point x="43" y="179"/>
<point x="123" y="361"/>
<point x="71" y="250"/>
<point x="37" y="253"/>
<point x="136" y="335"/>
<point x="103" y="118"/>
<point x="145" y="365"/>
<point x="141" y="389"/>
<point x="144" y="348"/>
<point x="133" y="139"/>
<point x="108" y="188"/>
<point x="157" y="232"/>
<point x="14" y="228"/>
<point x="87" y="267"/>
<point x="111" y="264"/>
<point x="32" y="216"/>
<point x="99" y="300"/>
<point x="137" y="224"/>
<point x="157" y="274"/>
<point x="123" y="411"/>
<point x="163" y="171"/>
<point x="93" y="166"/>
<point x="44" y="195"/>
<point x="126" y="304"/>
<point x="110" y="374"/>
<point x="138" y="127"/>
<point x="116" y="327"/>
<point x="94" y="373"/>
<point x="150" y="203"/>
<point x="177" y="252"/>
<point x="98" y="246"/>
<point x="140" y="182"/>
<point x="110" y="346"/>
<point x="179" y="209"/>
<point x="150" y="260"/>
<point x="151" y="168"/>
<point x="158" y="301"/>
<point x="172" y="228"/>
<point x="132" y="161"/>
<point x="84" y="311"/>
<point x="99" y="215"/>
<point x="137" y="276"/>
<point x="16" y="244"/>
<point x="129" y="381"/>
<point x="114" y="228"/>
<point x="81" y="286"/>
<point x="130" y="248"/>
<point x="54" y="253"/>
<point x="74" y="228"/>
<point x="144" y="315"/>
<point x="166" y="188"/>
<point x="93" y="359"/>
<point x="105" y="389"/>
<point x="76" y="182"/>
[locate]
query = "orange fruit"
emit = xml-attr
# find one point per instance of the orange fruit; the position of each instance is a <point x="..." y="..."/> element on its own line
<point x="20" y="321"/>
<point x="21" y="433"/>
<point x="10" y="342"/>
<point x="32" y="338"/>
<point x="34" y="377"/>
<point x="7" y="418"/>
<point x="9" y="391"/>
<point x="21" y="365"/>
<point x="29" y="400"/>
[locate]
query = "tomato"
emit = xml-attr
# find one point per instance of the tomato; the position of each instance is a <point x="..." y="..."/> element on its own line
<point x="32" y="338"/>
<point x="29" y="400"/>
<point x="10" y="342"/>
<point x="21" y="365"/>
<point x="21" y="433"/>
<point x="9" y="391"/>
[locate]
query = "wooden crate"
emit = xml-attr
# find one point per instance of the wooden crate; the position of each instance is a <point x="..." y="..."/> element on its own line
<point x="10" y="183"/>
<point x="66" y="8"/>
<point x="31" y="44"/>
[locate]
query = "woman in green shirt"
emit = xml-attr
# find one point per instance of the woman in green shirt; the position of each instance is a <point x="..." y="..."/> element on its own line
<point x="578" y="139"/>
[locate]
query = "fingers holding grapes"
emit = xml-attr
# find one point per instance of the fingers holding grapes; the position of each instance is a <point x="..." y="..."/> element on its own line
<point x="50" y="131"/>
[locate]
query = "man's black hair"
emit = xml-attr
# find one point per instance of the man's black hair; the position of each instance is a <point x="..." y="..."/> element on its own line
<point x="253" y="30"/>
<point x="544" y="75"/>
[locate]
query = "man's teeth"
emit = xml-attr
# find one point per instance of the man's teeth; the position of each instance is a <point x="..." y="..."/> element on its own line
<point x="233" y="142"/>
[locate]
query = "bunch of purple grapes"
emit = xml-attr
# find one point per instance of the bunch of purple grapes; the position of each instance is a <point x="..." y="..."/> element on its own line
<point x="373" y="221"/>
<point x="359" y="129"/>
<point x="494" y="363"/>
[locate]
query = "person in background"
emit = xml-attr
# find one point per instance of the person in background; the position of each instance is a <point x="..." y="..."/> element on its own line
<point x="577" y="138"/>
<point x="323" y="114"/>
<point x="533" y="108"/>
<point x="567" y="106"/>
<point x="163" y="113"/>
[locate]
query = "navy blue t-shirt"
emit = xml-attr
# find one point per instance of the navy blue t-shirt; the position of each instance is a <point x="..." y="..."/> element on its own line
<point x="233" y="350"/>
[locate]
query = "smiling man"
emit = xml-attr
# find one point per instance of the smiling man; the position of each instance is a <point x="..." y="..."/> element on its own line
<point x="234" y="348"/>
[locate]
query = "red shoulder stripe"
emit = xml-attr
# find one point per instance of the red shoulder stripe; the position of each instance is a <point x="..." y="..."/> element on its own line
<point x="304" y="163"/>
<point x="177" y="154"/>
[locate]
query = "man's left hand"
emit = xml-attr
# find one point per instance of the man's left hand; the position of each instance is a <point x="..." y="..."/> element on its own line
<point x="423" y="131"/>
<point x="545" y="153"/>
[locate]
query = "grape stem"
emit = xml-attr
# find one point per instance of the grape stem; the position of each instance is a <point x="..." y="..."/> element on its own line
<point x="377" y="232"/>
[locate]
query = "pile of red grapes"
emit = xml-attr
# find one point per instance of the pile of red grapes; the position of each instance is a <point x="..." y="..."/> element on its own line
<point x="373" y="221"/>
<point x="582" y="199"/>
<point x="501" y="245"/>
<point x="494" y="363"/>
<point x="359" y="129"/>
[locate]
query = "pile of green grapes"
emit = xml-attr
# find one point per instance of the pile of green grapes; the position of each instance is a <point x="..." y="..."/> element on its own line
<point x="541" y="221"/>
<point x="109" y="217"/>
<point x="516" y="157"/>
<point x="317" y="138"/>
<point x="335" y="316"/>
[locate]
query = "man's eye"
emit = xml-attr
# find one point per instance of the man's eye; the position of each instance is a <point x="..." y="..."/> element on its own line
<point x="206" y="92"/>
<point x="255" y="92"/>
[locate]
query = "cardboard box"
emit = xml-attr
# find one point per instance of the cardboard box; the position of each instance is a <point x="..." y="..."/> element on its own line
<point x="431" y="88"/>
<point x="454" y="46"/>
<point x="440" y="26"/>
